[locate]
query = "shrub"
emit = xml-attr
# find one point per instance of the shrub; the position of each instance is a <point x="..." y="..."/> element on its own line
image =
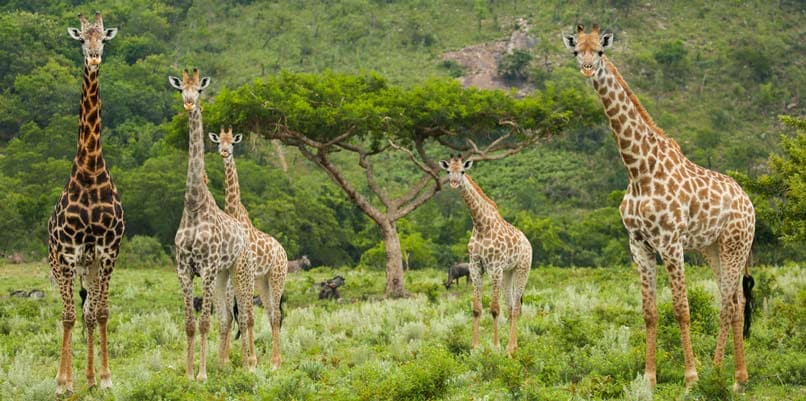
<point x="514" y="67"/>
<point x="142" y="251"/>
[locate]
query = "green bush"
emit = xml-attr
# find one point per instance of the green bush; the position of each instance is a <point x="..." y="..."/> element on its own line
<point x="514" y="67"/>
<point x="142" y="251"/>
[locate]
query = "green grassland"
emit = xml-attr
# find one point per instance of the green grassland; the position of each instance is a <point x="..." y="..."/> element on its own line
<point x="581" y="337"/>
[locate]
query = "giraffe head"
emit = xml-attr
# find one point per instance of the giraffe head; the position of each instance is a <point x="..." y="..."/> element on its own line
<point x="456" y="168"/>
<point x="225" y="140"/>
<point x="92" y="36"/>
<point x="588" y="48"/>
<point x="191" y="87"/>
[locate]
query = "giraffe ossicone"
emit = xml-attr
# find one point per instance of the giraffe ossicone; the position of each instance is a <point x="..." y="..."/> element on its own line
<point x="496" y="247"/>
<point x="86" y="227"/>
<point x="672" y="205"/>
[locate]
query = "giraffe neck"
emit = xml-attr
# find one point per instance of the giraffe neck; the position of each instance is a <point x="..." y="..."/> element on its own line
<point x="196" y="192"/>
<point x="233" y="205"/>
<point x="483" y="210"/>
<point x="636" y="135"/>
<point x="89" y="157"/>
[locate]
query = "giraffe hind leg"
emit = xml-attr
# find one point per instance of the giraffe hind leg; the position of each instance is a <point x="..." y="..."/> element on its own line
<point x="63" y="275"/>
<point x="102" y="315"/>
<point x="92" y="283"/>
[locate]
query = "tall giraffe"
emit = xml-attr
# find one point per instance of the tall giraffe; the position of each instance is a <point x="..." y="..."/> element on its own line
<point x="496" y="247"/>
<point x="266" y="253"/>
<point x="210" y="244"/>
<point x="672" y="205"/>
<point x="86" y="226"/>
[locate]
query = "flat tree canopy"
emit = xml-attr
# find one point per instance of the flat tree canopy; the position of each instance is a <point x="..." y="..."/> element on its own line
<point x="335" y="120"/>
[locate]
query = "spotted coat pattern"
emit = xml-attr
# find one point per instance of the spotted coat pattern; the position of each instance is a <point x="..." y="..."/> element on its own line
<point x="496" y="247"/>
<point x="263" y="250"/>
<point x="210" y="243"/>
<point x="672" y="205"/>
<point x="87" y="225"/>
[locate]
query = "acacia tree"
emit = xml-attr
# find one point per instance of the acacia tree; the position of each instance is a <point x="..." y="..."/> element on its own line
<point x="340" y="121"/>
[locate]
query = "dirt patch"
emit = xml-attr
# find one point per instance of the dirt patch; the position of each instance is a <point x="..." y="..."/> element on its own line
<point x="481" y="61"/>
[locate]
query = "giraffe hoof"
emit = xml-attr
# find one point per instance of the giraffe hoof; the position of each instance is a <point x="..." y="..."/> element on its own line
<point x="106" y="382"/>
<point x="202" y="377"/>
<point x="275" y="364"/>
<point x="739" y="387"/>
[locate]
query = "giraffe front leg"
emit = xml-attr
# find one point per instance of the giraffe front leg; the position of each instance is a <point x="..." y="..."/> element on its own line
<point x="186" y="281"/>
<point x="63" y="275"/>
<point x="673" y="259"/>
<point x="495" y="303"/>
<point x="475" y="277"/>
<point x="644" y="257"/>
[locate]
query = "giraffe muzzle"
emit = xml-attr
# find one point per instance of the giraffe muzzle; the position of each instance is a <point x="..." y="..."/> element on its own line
<point x="587" y="70"/>
<point x="96" y="60"/>
<point x="189" y="106"/>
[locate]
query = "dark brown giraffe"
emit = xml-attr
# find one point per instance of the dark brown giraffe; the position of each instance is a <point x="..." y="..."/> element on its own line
<point x="671" y="205"/>
<point x="86" y="226"/>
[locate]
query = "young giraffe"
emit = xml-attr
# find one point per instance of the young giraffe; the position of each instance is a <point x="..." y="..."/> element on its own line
<point x="672" y="205"/>
<point x="496" y="247"/>
<point x="269" y="257"/>
<point x="86" y="226"/>
<point x="211" y="244"/>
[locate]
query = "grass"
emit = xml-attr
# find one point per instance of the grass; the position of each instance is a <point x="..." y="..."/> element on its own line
<point x="581" y="337"/>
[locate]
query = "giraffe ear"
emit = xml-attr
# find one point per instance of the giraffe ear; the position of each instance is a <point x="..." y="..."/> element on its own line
<point x="110" y="34"/>
<point x="237" y="138"/>
<point x="466" y="166"/>
<point x="606" y="40"/>
<point x="214" y="137"/>
<point x="570" y="41"/>
<point x="74" y="33"/>
<point x="175" y="82"/>
<point x="444" y="164"/>
<point x="204" y="82"/>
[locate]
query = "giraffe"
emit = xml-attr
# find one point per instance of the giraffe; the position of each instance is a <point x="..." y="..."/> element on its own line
<point x="211" y="244"/>
<point x="496" y="247"/>
<point x="87" y="225"/>
<point x="672" y="205"/>
<point x="269" y="257"/>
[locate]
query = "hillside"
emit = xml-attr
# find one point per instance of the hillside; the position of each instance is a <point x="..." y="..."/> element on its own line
<point x="714" y="76"/>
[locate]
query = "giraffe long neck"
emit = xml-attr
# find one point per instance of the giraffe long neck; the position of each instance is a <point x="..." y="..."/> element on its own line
<point x="635" y="133"/>
<point x="233" y="205"/>
<point x="89" y="157"/>
<point x="196" y="192"/>
<point x="483" y="210"/>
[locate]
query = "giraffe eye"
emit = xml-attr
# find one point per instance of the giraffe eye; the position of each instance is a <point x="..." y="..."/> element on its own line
<point x="600" y="53"/>
<point x="575" y="52"/>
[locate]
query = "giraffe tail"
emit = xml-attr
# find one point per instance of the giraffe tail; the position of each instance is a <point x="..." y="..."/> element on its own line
<point x="83" y="294"/>
<point x="235" y="315"/>
<point x="749" y="302"/>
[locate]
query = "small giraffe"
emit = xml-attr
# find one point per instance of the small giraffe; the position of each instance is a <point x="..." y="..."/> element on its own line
<point x="672" y="205"/>
<point x="266" y="253"/>
<point x="496" y="247"/>
<point x="211" y="244"/>
<point x="86" y="226"/>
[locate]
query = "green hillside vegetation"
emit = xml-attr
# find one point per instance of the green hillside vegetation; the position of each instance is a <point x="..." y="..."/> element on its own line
<point x="581" y="337"/>
<point x="718" y="94"/>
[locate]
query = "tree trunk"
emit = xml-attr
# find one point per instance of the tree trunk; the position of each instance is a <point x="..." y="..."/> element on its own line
<point x="394" y="261"/>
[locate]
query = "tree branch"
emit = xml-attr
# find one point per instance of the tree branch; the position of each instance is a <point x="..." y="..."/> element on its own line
<point x="320" y="158"/>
